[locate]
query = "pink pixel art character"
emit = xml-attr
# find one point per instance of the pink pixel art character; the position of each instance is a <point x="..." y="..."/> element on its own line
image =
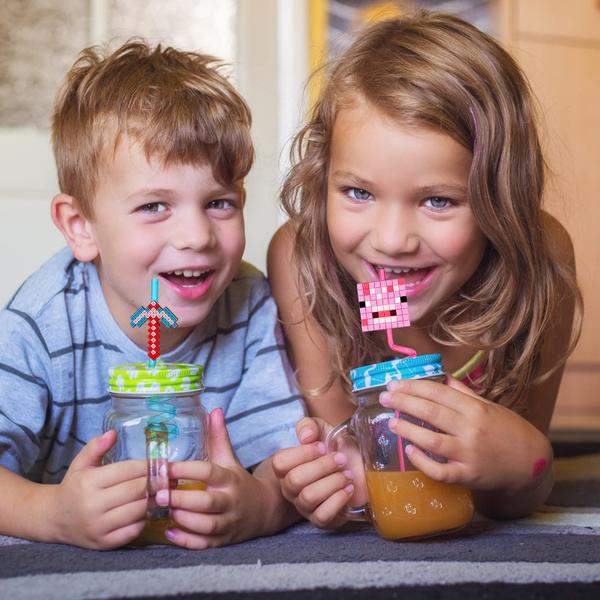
<point x="383" y="305"/>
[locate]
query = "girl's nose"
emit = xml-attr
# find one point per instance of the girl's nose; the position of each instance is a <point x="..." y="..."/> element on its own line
<point x="395" y="232"/>
<point x="193" y="231"/>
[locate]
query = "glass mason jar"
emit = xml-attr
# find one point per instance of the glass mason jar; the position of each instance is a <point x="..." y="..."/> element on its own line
<point x="158" y="416"/>
<point x="402" y="501"/>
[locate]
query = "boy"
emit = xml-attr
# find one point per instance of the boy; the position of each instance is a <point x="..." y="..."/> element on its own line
<point x="151" y="146"/>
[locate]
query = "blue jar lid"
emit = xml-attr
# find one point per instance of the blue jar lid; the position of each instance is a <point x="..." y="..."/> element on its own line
<point x="419" y="367"/>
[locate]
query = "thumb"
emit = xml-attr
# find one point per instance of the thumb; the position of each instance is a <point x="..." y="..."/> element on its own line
<point x="310" y="430"/>
<point x="91" y="454"/>
<point x="220" y="451"/>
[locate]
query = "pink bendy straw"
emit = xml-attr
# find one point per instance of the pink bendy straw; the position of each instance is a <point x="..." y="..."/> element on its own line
<point x="383" y="305"/>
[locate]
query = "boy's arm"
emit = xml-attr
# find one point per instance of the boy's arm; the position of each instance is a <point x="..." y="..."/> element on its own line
<point x="94" y="506"/>
<point x="24" y="510"/>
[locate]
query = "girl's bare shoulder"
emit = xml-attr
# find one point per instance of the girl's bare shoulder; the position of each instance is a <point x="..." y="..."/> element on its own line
<point x="559" y="241"/>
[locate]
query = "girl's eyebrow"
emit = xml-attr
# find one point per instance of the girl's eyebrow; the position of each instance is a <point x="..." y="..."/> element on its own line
<point x="359" y="181"/>
<point x="451" y="188"/>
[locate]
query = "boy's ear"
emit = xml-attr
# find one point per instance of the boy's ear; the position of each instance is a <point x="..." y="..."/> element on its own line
<point x="75" y="227"/>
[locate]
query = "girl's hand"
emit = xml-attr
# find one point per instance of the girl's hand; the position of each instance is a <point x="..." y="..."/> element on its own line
<point x="487" y="446"/>
<point x="235" y="506"/>
<point x="99" y="507"/>
<point x="319" y="484"/>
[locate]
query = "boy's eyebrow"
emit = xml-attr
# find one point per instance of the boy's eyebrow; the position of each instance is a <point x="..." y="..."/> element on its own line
<point x="151" y="192"/>
<point x="167" y="193"/>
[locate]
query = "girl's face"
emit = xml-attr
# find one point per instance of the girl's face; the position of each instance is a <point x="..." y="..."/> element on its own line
<point x="397" y="200"/>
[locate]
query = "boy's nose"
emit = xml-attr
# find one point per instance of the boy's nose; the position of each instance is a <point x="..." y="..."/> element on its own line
<point x="193" y="231"/>
<point x="395" y="233"/>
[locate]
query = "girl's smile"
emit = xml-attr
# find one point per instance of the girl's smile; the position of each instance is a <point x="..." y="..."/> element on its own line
<point x="415" y="278"/>
<point x="397" y="201"/>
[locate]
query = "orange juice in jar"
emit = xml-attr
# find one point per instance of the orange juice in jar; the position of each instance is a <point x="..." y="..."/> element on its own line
<point x="403" y="503"/>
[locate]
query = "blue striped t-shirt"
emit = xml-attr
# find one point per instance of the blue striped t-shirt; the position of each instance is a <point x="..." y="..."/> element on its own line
<point x="58" y="339"/>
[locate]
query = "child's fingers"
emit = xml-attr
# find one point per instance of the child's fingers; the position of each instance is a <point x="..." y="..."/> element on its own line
<point x="303" y="475"/>
<point x="310" y="430"/>
<point x="199" y="501"/>
<point x="441" y="417"/>
<point x="285" y="460"/>
<point x="436" y="442"/>
<point x="317" y="493"/>
<point x="424" y="389"/>
<point x="200" y="470"/>
<point x="330" y="512"/>
<point x="92" y="453"/>
<point x="123" y="535"/>
<point x="122" y="516"/>
<point x="115" y="473"/>
<point x="445" y="472"/>
<point x="211" y="525"/>
<point x="125" y="492"/>
<point x="189" y="540"/>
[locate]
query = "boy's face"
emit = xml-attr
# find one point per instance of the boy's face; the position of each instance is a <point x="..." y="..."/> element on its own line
<point x="176" y="223"/>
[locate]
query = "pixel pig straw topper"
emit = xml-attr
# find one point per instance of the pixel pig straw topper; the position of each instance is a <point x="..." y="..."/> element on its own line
<point x="383" y="305"/>
<point x="155" y="314"/>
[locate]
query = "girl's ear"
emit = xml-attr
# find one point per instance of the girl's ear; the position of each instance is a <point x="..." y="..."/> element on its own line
<point x="75" y="227"/>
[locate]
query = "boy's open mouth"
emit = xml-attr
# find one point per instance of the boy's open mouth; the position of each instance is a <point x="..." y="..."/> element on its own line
<point x="187" y="278"/>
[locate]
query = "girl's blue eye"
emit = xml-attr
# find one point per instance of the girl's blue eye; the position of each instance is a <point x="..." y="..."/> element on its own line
<point x="438" y="203"/>
<point x="358" y="194"/>
<point x="220" y="204"/>
<point x="153" y="208"/>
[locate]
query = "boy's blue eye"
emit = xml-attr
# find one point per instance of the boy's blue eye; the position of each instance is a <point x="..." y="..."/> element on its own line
<point x="438" y="203"/>
<point x="153" y="207"/>
<point x="358" y="194"/>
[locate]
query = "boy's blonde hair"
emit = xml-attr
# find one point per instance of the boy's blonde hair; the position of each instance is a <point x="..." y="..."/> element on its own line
<point x="436" y="71"/>
<point x="176" y="105"/>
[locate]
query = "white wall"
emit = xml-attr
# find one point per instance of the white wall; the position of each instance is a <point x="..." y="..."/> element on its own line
<point x="271" y="68"/>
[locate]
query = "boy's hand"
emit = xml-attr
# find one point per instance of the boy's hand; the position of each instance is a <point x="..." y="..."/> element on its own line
<point x="318" y="483"/>
<point x="235" y="506"/>
<point x="487" y="446"/>
<point x="100" y="507"/>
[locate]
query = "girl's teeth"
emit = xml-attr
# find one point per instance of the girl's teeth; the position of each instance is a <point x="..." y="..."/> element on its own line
<point x="398" y="270"/>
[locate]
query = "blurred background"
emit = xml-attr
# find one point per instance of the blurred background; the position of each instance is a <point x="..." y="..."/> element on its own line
<point x="271" y="47"/>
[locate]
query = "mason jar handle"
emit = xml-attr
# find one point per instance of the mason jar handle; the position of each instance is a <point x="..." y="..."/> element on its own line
<point x="352" y="513"/>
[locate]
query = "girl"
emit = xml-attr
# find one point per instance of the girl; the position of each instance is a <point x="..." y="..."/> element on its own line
<point x="422" y="158"/>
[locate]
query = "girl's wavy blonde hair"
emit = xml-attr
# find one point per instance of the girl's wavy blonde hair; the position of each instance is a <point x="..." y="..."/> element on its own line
<point x="436" y="71"/>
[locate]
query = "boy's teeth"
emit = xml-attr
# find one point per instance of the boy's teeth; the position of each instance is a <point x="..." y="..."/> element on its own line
<point x="187" y="273"/>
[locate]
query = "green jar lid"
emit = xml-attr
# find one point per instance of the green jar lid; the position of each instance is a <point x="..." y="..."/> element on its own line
<point x="163" y="378"/>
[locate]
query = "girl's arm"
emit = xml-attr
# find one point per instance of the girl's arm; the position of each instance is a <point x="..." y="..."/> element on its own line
<point x="504" y="457"/>
<point x="542" y="397"/>
<point x="306" y="343"/>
